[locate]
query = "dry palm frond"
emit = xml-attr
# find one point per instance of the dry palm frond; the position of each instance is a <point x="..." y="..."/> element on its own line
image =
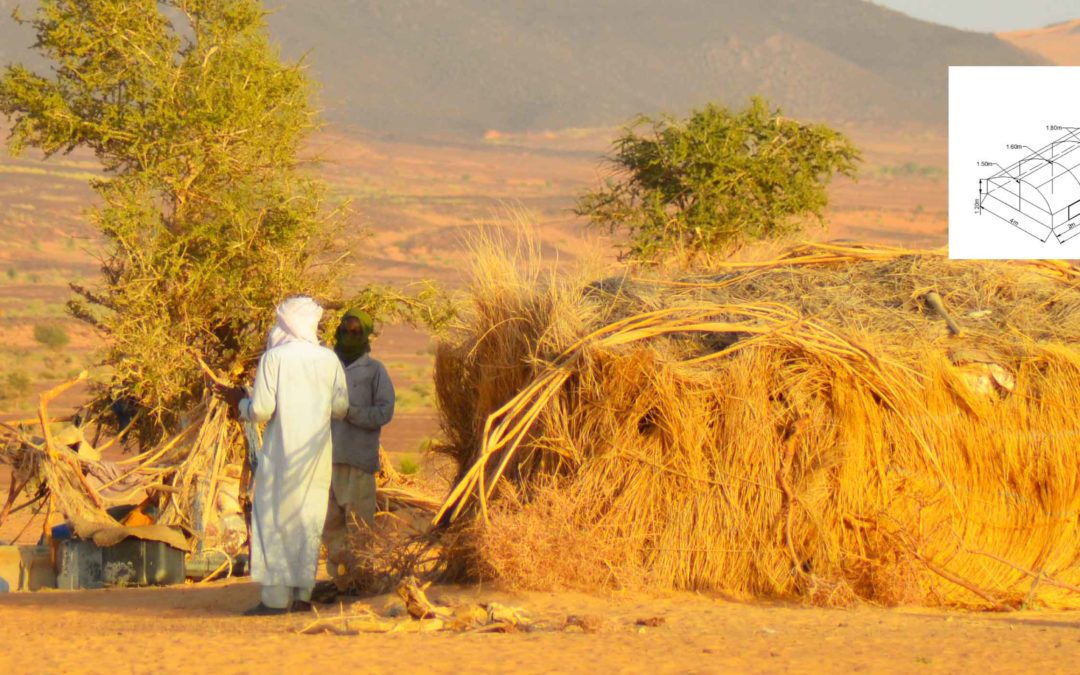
<point x="183" y="474"/>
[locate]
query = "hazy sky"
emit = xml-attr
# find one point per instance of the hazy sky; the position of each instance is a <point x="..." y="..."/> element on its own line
<point x="988" y="15"/>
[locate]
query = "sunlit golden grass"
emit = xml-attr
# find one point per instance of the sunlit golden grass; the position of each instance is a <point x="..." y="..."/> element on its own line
<point x="800" y="426"/>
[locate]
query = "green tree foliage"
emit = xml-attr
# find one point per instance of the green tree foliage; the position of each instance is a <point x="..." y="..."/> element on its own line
<point x="716" y="180"/>
<point x="208" y="217"/>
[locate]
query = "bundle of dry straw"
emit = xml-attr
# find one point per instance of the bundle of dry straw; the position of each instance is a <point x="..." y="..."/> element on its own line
<point x="181" y="476"/>
<point x="807" y="426"/>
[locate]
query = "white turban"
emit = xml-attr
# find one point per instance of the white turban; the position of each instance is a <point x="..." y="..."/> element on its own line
<point x="297" y="321"/>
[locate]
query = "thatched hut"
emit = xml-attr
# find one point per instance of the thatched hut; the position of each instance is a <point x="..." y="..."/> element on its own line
<point x="837" y="422"/>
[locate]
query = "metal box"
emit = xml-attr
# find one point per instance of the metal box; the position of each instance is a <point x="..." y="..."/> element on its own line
<point x="138" y="562"/>
<point x="79" y="565"/>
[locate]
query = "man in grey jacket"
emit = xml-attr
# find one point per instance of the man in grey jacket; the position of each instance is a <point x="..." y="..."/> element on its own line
<point x="356" y="438"/>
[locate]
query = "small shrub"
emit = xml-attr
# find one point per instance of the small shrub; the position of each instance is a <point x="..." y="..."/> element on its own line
<point x="51" y="335"/>
<point x="408" y="466"/>
<point x="14" y="384"/>
<point x="12" y="273"/>
<point x="417" y="397"/>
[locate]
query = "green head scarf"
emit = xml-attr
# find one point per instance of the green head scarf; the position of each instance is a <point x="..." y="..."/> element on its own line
<point x="351" y="346"/>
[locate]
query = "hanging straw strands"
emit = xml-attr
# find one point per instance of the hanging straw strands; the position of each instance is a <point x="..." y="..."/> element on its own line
<point x="509" y="426"/>
<point x="803" y="426"/>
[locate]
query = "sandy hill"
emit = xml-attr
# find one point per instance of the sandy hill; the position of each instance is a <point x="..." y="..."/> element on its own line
<point x="1059" y="43"/>
<point x="466" y="66"/>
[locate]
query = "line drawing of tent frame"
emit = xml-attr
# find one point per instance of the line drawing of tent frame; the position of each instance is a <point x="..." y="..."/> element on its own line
<point x="1039" y="194"/>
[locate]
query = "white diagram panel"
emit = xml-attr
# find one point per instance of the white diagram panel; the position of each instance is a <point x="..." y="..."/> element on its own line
<point x="1014" y="162"/>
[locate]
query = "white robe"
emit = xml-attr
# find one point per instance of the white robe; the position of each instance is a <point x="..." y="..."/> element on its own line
<point x="299" y="387"/>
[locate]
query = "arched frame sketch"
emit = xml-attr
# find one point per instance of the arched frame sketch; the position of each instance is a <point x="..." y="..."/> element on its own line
<point x="1040" y="193"/>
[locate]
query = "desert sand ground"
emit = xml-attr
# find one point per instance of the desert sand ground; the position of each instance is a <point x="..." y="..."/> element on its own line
<point x="197" y="629"/>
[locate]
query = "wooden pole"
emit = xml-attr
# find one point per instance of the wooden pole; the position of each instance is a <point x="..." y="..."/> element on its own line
<point x="938" y="305"/>
<point x="43" y="418"/>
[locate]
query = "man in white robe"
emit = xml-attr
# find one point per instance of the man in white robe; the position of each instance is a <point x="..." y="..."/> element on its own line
<point x="299" y="387"/>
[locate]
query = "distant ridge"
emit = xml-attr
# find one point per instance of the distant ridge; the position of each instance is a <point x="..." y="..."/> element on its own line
<point x="462" y="67"/>
<point x="465" y="66"/>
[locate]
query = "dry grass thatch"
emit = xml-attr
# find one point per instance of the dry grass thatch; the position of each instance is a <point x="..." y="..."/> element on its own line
<point x="807" y="426"/>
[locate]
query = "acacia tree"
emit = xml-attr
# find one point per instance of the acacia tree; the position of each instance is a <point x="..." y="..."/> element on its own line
<point x="207" y="218"/>
<point x="716" y="180"/>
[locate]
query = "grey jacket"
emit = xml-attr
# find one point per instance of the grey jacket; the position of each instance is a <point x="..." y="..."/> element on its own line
<point x="371" y="406"/>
